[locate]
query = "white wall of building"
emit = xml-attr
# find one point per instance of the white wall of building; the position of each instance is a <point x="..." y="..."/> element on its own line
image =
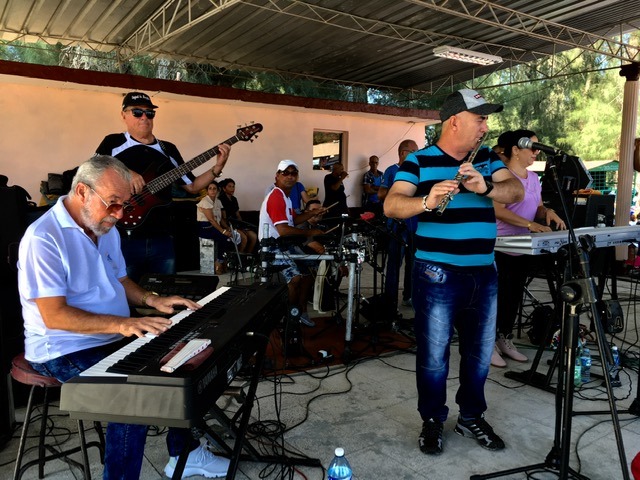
<point x="48" y="126"/>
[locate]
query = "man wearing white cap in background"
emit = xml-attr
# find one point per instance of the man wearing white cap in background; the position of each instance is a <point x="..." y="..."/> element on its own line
<point x="278" y="219"/>
<point x="454" y="275"/>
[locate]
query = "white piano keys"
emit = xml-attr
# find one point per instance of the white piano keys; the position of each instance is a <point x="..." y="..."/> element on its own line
<point x="100" y="368"/>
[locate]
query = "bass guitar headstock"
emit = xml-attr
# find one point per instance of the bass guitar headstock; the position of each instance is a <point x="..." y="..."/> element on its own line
<point x="247" y="133"/>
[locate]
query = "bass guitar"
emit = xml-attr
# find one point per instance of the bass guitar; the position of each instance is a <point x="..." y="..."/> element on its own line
<point x="140" y="204"/>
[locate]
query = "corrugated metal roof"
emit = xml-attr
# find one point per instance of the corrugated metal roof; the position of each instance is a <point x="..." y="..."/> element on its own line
<point x="386" y="43"/>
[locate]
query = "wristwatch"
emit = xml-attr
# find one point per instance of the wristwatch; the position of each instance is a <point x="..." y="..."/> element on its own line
<point x="143" y="301"/>
<point x="488" y="190"/>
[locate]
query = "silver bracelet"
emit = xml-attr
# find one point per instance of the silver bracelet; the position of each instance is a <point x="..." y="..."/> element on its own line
<point x="424" y="204"/>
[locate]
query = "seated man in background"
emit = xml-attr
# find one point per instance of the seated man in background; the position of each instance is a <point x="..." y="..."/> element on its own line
<point x="312" y="245"/>
<point x="278" y="219"/>
<point x="75" y="297"/>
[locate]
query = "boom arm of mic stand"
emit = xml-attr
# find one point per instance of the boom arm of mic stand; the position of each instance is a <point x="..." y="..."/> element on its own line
<point x="563" y="202"/>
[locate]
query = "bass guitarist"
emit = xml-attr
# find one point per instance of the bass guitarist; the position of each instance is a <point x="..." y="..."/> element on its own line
<point x="148" y="245"/>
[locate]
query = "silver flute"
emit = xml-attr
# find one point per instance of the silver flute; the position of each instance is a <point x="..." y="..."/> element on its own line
<point x="458" y="178"/>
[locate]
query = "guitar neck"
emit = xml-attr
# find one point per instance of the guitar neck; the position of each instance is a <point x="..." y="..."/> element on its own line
<point x="166" y="179"/>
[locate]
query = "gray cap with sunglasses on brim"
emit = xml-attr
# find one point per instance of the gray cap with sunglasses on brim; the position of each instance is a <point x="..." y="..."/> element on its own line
<point x="137" y="99"/>
<point x="467" y="100"/>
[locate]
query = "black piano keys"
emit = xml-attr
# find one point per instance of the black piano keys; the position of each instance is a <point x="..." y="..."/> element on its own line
<point x="198" y="321"/>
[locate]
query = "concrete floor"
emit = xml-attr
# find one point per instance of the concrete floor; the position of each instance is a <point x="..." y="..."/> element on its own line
<point x="369" y="409"/>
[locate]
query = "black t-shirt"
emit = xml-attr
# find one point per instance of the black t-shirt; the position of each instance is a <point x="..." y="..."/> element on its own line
<point x="230" y="205"/>
<point x="151" y="161"/>
<point x="334" y="196"/>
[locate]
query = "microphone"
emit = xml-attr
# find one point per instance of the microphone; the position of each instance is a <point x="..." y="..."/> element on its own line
<point x="525" y="142"/>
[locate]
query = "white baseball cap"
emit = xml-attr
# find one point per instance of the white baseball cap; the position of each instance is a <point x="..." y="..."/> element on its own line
<point x="284" y="164"/>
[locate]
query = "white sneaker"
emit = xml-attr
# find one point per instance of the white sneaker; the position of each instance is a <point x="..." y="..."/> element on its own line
<point x="496" y="358"/>
<point x="506" y="347"/>
<point x="200" y="462"/>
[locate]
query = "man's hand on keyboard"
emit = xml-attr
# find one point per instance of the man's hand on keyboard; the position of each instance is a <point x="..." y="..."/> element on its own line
<point x="167" y="304"/>
<point x="140" y="326"/>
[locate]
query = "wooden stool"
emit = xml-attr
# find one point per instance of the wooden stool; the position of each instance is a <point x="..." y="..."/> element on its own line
<point x="22" y="372"/>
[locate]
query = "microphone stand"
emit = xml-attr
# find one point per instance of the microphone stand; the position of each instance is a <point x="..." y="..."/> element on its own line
<point x="578" y="291"/>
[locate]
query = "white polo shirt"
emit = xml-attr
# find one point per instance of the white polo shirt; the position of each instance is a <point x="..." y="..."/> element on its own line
<point x="57" y="259"/>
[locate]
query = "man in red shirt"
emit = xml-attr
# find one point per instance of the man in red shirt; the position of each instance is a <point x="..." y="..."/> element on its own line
<point x="278" y="219"/>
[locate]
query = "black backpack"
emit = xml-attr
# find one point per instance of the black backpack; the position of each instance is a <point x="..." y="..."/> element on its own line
<point x="542" y="317"/>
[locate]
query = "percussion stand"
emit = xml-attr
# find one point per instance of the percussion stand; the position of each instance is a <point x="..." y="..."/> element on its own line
<point x="378" y="269"/>
<point x="578" y="291"/>
<point x="354" y="292"/>
<point x="238" y="267"/>
<point x="291" y="332"/>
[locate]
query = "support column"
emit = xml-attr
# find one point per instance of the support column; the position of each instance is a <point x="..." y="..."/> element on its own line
<point x="627" y="137"/>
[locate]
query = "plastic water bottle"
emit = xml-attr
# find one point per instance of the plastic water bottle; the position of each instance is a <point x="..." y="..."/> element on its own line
<point x="585" y="361"/>
<point x="339" y="468"/>
<point x="616" y="356"/>
<point x="577" y="372"/>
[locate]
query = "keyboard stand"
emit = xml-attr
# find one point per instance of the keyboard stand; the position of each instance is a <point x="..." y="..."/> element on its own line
<point x="240" y="430"/>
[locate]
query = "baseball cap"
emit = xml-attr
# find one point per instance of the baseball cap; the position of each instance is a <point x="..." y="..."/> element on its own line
<point x="467" y="100"/>
<point x="282" y="166"/>
<point x="137" y="98"/>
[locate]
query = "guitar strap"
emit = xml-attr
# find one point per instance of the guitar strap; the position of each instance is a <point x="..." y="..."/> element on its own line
<point x="166" y="154"/>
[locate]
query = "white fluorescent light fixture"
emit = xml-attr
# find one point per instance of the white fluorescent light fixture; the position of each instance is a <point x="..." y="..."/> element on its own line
<point x="468" y="56"/>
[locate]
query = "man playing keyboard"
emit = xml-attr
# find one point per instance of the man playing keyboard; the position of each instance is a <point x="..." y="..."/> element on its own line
<point x="75" y="297"/>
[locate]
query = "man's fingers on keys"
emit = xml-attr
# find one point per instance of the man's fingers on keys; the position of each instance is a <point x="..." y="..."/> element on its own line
<point x="153" y="325"/>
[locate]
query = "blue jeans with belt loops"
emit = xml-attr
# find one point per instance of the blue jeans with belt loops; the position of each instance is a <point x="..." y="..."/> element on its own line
<point x="124" y="443"/>
<point x="444" y="298"/>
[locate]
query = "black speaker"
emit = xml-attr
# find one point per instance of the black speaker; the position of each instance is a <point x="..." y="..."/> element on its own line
<point x="13" y="215"/>
<point x="378" y="309"/>
<point x="185" y="235"/>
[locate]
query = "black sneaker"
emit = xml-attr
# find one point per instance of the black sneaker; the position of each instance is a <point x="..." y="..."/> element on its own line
<point x="479" y="429"/>
<point x="430" y="439"/>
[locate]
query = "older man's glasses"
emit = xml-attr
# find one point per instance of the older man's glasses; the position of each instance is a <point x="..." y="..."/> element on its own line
<point x="138" y="112"/>
<point x="112" y="208"/>
<point x="289" y="173"/>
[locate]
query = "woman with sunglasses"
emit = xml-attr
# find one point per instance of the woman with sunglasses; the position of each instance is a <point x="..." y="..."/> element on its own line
<point x="521" y="218"/>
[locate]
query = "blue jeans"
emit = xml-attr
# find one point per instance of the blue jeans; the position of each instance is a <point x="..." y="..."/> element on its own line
<point x="124" y="444"/>
<point x="293" y="267"/>
<point x="149" y="255"/>
<point x="399" y="236"/>
<point x="445" y="298"/>
<point x="223" y="244"/>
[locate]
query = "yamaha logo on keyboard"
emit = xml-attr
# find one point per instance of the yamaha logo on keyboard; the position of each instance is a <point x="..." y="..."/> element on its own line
<point x="207" y="379"/>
